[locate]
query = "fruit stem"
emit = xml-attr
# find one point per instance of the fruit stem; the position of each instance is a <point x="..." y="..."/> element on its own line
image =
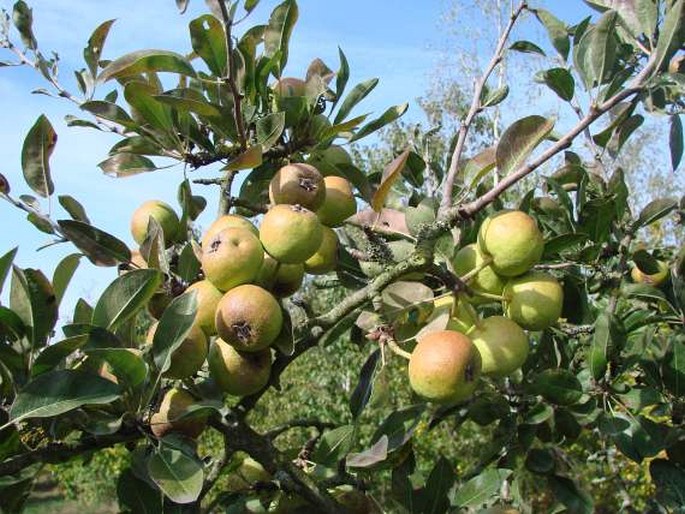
<point x="471" y="274"/>
<point x="490" y="296"/>
<point x="392" y="344"/>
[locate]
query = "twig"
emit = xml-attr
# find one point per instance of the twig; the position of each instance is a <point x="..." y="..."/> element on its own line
<point x="475" y="108"/>
<point x="298" y="423"/>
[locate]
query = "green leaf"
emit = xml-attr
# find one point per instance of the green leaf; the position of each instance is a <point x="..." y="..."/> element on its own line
<point x="250" y="158"/>
<point x="6" y="264"/>
<point x="57" y="392"/>
<point x="54" y="354"/>
<point x="519" y="140"/>
<point x="480" y="488"/>
<point x="675" y="140"/>
<point x="558" y="80"/>
<point x="141" y="96"/>
<point x="127" y="365"/>
<point x="568" y="493"/>
<point x="208" y="39"/>
<point x="249" y="5"/>
<point x="358" y="93"/>
<point x="178" y="476"/>
<point x="278" y="31"/>
<point x="390" y="174"/>
<point x="495" y="97"/>
<point x="595" y="54"/>
<point x="399" y="426"/>
<point x="144" y="61"/>
<point x="35" y="156"/>
<point x="654" y="211"/>
<point x="96" y="42"/>
<point x="101" y="248"/>
<point x="670" y="482"/>
<point x="673" y="369"/>
<point x="124" y="297"/>
<point x="390" y="115"/>
<point x="269" y="129"/>
<point x="557" y="31"/>
<point x="435" y="496"/>
<point x="185" y="100"/>
<point x="63" y="274"/>
<point x="527" y="47"/>
<point x="137" y="495"/>
<point x="126" y="165"/>
<point x="109" y="111"/>
<point x="478" y="167"/>
<point x="341" y="78"/>
<point x="671" y="35"/>
<point x="174" y="325"/>
<point x="334" y="445"/>
<point x="188" y="265"/>
<point x="73" y="207"/>
<point x="152" y="248"/>
<point x="558" y="386"/>
<point x="362" y="392"/>
<point x="33" y="299"/>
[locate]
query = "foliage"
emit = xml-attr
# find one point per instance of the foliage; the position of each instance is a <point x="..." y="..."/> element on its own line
<point x="607" y="375"/>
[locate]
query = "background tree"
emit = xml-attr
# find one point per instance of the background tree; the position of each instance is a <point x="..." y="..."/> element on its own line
<point x="607" y="371"/>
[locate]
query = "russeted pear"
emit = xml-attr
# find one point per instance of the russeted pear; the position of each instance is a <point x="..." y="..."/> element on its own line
<point x="227" y="221"/>
<point x="298" y="184"/>
<point x="248" y="318"/>
<point x="238" y="373"/>
<point x="486" y="280"/>
<point x="444" y="367"/>
<point x="189" y="357"/>
<point x="533" y="300"/>
<point x="290" y="233"/>
<point x="513" y="240"/>
<point x="174" y="404"/>
<point x="208" y="297"/>
<point x="163" y="213"/>
<point x="233" y="257"/>
<point x="339" y="203"/>
<point x="281" y="280"/>
<point x="325" y="259"/>
<point x="502" y="344"/>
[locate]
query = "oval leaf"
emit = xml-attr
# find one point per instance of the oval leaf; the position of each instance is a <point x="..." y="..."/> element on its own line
<point x="177" y="475"/>
<point x="125" y="296"/>
<point x="173" y="328"/>
<point x="143" y="61"/>
<point x="519" y="140"/>
<point x="101" y="248"/>
<point x="390" y="175"/>
<point x="35" y="156"/>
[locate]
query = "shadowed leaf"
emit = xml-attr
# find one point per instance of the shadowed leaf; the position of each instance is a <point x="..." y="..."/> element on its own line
<point x="35" y="156"/>
<point x="143" y="61"/>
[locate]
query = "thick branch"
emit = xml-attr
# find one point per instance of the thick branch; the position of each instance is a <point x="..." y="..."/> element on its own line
<point x="476" y="108"/>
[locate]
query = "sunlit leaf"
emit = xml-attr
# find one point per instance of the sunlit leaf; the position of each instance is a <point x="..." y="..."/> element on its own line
<point x="35" y="156"/>
<point x="74" y="208"/>
<point x="92" y="52"/>
<point x="208" y="39"/>
<point x="143" y="61"/>
<point x="279" y="29"/>
<point x="358" y="93"/>
<point x="125" y="296"/>
<point x="671" y="34"/>
<point x="519" y="141"/>
<point x="390" y="174"/>
<point x="178" y="476"/>
<point x="390" y="115"/>
<point x="101" y="248"/>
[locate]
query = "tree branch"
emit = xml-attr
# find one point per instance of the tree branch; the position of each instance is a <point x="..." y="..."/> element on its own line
<point x="476" y="108"/>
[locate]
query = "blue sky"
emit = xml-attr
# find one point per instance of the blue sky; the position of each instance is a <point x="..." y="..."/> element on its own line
<point x="401" y="42"/>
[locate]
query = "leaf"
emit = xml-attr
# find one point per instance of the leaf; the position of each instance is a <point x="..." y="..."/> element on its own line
<point x="269" y="129"/>
<point x="603" y="342"/>
<point x="54" y="354"/>
<point x="6" y="264"/>
<point x="558" y="386"/>
<point x="362" y="392"/>
<point x="519" y="140"/>
<point x="378" y="452"/>
<point x="92" y="52"/>
<point x="141" y="96"/>
<point x="73" y="207"/>
<point x="125" y="296"/>
<point x="278" y="31"/>
<point x="35" y="156"/>
<point x="558" y="80"/>
<point x="673" y="369"/>
<point x="127" y="365"/>
<point x="152" y="247"/>
<point x="654" y="211"/>
<point x="670" y="482"/>
<point x="341" y="78"/>
<point x="390" y="115"/>
<point x="178" y="476"/>
<point x="33" y="299"/>
<point x="478" y="166"/>
<point x="527" y="47"/>
<point x="101" y="248"/>
<point x="137" y="495"/>
<point x="57" y="392"/>
<point x="250" y="5"/>
<point x="435" y="496"/>
<point x="358" y="93"/>
<point x="208" y="39"/>
<point x="126" y="165"/>
<point x="144" y="61"/>
<point x="334" y="445"/>
<point x="568" y="493"/>
<point x="671" y="35"/>
<point x="595" y="54"/>
<point x="173" y="327"/>
<point x="480" y="488"/>
<point x="495" y="97"/>
<point x="250" y="158"/>
<point x="639" y="16"/>
<point x="63" y="274"/>
<point x="22" y="17"/>
<point x="675" y="140"/>
<point x="399" y="426"/>
<point x="390" y="174"/>
<point x="557" y="31"/>
<point x="406" y="300"/>
<point x="109" y="111"/>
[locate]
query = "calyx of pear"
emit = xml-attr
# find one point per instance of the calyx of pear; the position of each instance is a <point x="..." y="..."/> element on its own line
<point x="444" y="367"/>
<point x="238" y="373"/>
<point x="175" y="403"/>
<point x="300" y="184"/>
<point x="227" y="221"/>
<point x="513" y="240"/>
<point x="290" y="233"/>
<point x="248" y="318"/>
<point x="163" y="213"/>
<point x="233" y="257"/>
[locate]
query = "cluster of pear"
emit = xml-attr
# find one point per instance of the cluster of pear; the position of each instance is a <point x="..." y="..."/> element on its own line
<point x="445" y="365"/>
<point x="246" y="271"/>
